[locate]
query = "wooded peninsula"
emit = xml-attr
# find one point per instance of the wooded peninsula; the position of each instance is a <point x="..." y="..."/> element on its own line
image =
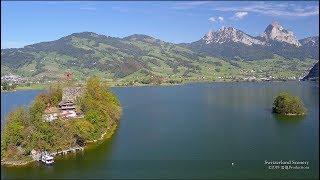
<point x="63" y="117"/>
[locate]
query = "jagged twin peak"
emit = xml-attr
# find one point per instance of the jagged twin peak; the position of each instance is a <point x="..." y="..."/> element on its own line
<point x="274" y="32"/>
<point x="230" y="34"/>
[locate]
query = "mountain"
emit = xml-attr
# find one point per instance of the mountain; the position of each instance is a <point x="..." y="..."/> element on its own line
<point x="231" y="43"/>
<point x="310" y="41"/>
<point x="87" y="52"/>
<point x="275" y="32"/>
<point x="226" y="53"/>
<point x="313" y="73"/>
<point x="230" y="34"/>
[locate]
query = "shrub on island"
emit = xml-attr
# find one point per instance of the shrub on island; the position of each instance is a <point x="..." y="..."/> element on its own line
<point x="287" y="104"/>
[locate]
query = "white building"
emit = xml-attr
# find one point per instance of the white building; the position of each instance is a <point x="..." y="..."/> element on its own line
<point x="50" y="117"/>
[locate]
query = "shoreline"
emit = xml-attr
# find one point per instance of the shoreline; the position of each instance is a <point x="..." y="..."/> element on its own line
<point x="290" y="114"/>
<point x="16" y="163"/>
<point x="104" y="136"/>
<point x="160" y="85"/>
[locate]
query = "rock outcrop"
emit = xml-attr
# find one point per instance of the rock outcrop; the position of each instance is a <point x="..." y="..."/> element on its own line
<point x="275" y="32"/>
<point x="230" y="34"/>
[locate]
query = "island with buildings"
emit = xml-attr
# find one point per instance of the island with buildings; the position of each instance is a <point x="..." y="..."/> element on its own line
<point x="63" y="119"/>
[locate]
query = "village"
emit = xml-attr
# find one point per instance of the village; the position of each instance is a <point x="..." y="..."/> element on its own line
<point x="12" y="81"/>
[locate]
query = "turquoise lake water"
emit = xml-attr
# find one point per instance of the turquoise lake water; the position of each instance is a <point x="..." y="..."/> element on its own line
<point x="192" y="131"/>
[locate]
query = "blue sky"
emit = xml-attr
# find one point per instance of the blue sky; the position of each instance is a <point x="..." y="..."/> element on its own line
<point x="24" y="23"/>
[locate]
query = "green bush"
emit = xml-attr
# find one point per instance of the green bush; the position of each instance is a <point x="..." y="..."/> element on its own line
<point x="287" y="104"/>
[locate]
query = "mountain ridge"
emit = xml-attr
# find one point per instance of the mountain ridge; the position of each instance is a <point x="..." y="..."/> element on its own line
<point x="89" y="33"/>
<point x="275" y="32"/>
<point x="140" y="56"/>
<point x="231" y="43"/>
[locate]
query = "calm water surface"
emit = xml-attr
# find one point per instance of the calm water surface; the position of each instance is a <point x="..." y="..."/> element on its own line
<point x="192" y="131"/>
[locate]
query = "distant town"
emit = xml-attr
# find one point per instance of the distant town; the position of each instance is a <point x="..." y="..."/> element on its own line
<point x="13" y="81"/>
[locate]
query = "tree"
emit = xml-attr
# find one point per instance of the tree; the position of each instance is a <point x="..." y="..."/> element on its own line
<point x="55" y="94"/>
<point x="287" y="104"/>
<point x="84" y="129"/>
<point x="93" y="116"/>
<point x="14" y="129"/>
<point x="36" y="109"/>
<point x="44" y="98"/>
<point x="93" y="87"/>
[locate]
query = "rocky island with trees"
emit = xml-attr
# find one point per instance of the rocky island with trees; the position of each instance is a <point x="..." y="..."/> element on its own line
<point x="58" y="120"/>
<point x="287" y="104"/>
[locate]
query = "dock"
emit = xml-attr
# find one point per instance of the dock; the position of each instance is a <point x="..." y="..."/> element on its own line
<point x="46" y="157"/>
<point x="66" y="151"/>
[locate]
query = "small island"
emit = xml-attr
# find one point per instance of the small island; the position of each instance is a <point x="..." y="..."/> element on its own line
<point x="287" y="104"/>
<point x="64" y="117"/>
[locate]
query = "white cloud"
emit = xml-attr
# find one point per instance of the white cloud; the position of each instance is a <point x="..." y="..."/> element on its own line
<point x="121" y="9"/>
<point x="240" y="15"/>
<point x="212" y="19"/>
<point x="285" y="9"/>
<point x="189" y="5"/>
<point x="216" y="19"/>
<point x="88" y="8"/>
<point x="280" y="9"/>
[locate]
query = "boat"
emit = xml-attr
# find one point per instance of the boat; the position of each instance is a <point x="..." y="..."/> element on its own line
<point x="47" y="158"/>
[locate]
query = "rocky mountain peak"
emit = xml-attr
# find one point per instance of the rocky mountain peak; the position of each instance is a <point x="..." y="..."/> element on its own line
<point x="276" y="24"/>
<point x="310" y="41"/>
<point x="230" y="34"/>
<point x="227" y="29"/>
<point x="275" y="32"/>
<point x="209" y="37"/>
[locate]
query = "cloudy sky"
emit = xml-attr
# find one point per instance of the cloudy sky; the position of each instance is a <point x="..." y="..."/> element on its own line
<point x="25" y="23"/>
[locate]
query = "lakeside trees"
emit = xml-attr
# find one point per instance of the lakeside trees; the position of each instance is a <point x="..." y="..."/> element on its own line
<point x="100" y="107"/>
<point x="287" y="104"/>
<point x="26" y="129"/>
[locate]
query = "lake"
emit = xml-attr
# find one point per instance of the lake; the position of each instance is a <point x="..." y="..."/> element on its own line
<point x="193" y="131"/>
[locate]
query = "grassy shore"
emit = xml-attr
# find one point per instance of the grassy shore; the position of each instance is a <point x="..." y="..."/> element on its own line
<point x="33" y="87"/>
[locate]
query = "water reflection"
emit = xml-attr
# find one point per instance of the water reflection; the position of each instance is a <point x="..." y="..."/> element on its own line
<point x="289" y="119"/>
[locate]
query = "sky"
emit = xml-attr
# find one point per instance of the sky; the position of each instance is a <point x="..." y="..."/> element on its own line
<point x="24" y="23"/>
